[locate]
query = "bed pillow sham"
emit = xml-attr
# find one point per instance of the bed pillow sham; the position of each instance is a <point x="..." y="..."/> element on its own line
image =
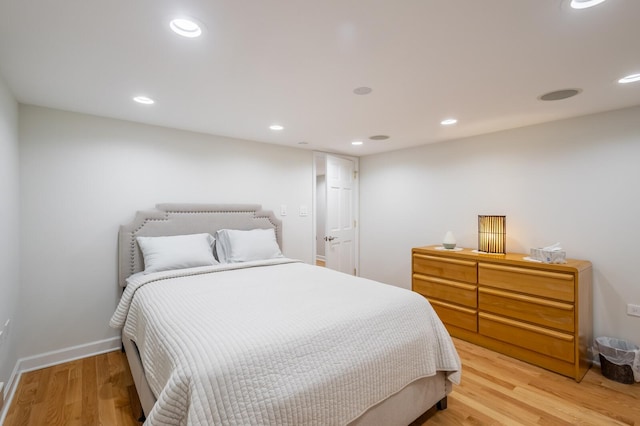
<point x="176" y="252"/>
<point x="234" y="246"/>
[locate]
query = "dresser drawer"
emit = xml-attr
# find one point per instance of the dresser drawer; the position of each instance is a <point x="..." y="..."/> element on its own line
<point x="456" y="315"/>
<point x="554" y="285"/>
<point x="545" y="312"/>
<point x="453" y="269"/>
<point x="538" y="339"/>
<point x="451" y="291"/>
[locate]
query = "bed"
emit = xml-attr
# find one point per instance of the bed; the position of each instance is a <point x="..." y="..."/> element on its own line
<point x="263" y="339"/>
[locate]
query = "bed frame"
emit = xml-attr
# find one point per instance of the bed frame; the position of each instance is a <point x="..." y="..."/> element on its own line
<point x="179" y="219"/>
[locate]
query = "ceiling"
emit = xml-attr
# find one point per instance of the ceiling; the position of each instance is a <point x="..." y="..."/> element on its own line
<point x="296" y="63"/>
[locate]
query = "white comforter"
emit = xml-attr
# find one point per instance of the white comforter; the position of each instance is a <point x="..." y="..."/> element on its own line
<point x="277" y="343"/>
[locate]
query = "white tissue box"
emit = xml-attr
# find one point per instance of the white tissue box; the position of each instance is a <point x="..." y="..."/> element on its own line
<point x="549" y="256"/>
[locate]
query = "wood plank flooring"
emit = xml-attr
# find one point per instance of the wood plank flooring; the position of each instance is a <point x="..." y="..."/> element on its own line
<point x="495" y="390"/>
<point x="97" y="390"/>
<point x="499" y="390"/>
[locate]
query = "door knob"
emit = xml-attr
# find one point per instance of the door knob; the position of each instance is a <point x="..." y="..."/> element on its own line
<point x="329" y="238"/>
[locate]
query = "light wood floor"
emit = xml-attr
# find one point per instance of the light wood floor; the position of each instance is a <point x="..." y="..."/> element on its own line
<point x="499" y="390"/>
<point x="92" y="391"/>
<point x="495" y="390"/>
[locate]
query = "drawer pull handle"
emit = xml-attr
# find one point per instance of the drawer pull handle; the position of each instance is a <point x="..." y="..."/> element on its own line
<point x="526" y="298"/>
<point x="461" y="286"/>
<point x="545" y="274"/>
<point x="454" y="307"/>
<point x="535" y="329"/>
<point x="445" y="260"/>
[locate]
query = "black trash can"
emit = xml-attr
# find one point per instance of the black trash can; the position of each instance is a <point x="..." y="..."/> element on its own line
<point x="617" y="358"/>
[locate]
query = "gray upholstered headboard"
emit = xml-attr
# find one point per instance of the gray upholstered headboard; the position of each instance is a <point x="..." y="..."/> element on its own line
<point x="181" y="219"/>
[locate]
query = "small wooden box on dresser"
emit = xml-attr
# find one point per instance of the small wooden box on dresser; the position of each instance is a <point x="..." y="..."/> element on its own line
<point x="539" y="313"/>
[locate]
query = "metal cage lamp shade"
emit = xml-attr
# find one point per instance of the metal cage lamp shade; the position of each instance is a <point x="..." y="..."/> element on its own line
<point x="492" y="234"/>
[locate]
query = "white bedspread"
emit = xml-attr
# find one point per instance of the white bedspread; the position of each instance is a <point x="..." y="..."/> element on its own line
<point x="277" y="343"/>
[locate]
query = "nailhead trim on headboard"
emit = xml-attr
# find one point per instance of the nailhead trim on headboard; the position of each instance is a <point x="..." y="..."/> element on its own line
<point x="133" y="241"/>
<point x="163" y="212"/>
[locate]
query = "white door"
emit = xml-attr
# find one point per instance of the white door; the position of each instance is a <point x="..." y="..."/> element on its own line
<point x="340" y="217"/>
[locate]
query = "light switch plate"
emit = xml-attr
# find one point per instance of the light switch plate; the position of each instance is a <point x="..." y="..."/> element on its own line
<point x="633" y="310"/>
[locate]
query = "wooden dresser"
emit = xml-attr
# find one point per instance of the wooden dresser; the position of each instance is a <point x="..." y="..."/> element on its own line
<point x="536" y="312"/>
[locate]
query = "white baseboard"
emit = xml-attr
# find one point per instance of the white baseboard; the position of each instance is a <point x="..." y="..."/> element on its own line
<point x="72" y="353"/>
<point x="318" y="257"/>
<point x="48" y="359"/>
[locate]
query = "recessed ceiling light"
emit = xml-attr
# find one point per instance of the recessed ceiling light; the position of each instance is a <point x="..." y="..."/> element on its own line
<point x="379" y="137"/>
<point x="448" y="121"/>
<point x="356" y="143"/>
<point x="276" y="127"/>
<point x="185" y="27"/>
<point x="558" y="95"/>
<point x="632" y="78"/>
<point x="362" y="90"/>
<point x="144" y="100"/>
<point x="583" y="4"/>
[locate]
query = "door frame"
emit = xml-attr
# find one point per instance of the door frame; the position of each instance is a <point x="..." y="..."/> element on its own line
<point x="320" y="155"/>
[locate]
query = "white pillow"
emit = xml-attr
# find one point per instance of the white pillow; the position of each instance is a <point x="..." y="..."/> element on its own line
<point x="176" y="252"/>
<point x="233" y="246"/>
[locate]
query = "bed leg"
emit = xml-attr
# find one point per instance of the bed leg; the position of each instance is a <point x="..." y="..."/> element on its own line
<point x="442" y="404"/>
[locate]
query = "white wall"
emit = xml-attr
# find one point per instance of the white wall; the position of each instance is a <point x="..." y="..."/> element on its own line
<point x="574" y="181"/>
<point x="9" y="224"/>
<point x="82" y="176"/>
